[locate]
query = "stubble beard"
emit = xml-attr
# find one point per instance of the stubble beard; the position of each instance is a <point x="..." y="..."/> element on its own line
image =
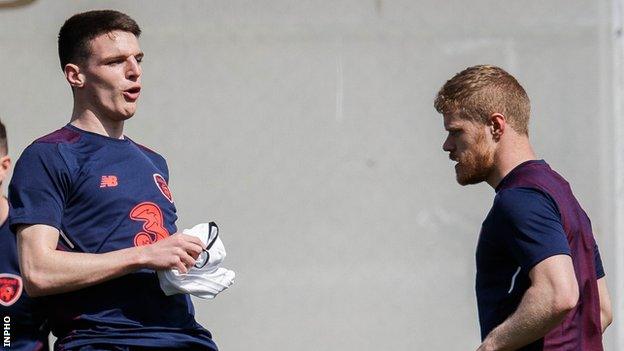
<point x="475" y="166"/>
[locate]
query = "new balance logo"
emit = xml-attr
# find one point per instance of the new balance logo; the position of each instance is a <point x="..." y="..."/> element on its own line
<point x="108" y="181"/>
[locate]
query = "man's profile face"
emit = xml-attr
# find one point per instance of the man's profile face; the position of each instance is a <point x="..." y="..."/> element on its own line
<point x="113" y="75"/>
<point x="467" y="145"/>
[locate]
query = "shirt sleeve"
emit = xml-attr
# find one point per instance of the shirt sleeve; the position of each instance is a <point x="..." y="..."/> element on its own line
<point x="534" y="226"/>
<point x="39" y="187"/>
<point x="598" y="262"/>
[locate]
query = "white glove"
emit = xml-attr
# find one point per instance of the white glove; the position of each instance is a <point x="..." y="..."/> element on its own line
<point x="205" y="279"/>
<point x="205" y="286"/>
<point x="208" y="233"/>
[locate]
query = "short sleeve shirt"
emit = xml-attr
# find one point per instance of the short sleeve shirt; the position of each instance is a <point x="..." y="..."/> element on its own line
<point x="105" y="194"/>
<point x="524" y="227"/>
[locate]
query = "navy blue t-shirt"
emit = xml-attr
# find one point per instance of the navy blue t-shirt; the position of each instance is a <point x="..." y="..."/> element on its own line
<point x="25" y="316"/>
<point x="524" y="227"/>
<point x="105" y="194"/>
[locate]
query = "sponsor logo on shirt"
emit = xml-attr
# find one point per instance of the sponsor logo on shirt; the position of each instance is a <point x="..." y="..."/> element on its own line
<point x="162" y="185"/>
<point x="10" y="288"/>
<point x="153" y="223"/>
<point x="108" y="181"/>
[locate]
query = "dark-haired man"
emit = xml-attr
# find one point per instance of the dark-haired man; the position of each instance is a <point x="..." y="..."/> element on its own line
<point x="93" y="212"/>
<point x="540" y="283"/>
<point x="27" y="330"/>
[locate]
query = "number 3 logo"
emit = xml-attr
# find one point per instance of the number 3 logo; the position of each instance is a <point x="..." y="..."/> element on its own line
<point x="153" y="223"/>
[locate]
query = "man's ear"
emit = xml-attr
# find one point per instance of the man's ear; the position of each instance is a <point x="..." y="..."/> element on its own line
<point x="74" y="76"/>
<point x="5" y="167"/>
<point x="497" y="124"/>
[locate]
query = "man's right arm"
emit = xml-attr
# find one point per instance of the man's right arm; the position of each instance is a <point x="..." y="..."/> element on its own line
<point x="606" y="316"/>
<point x="47" y="270"/>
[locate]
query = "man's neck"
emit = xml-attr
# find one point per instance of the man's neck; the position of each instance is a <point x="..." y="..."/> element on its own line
<point x="508" y="158"/>
<point x="88" y="120"/>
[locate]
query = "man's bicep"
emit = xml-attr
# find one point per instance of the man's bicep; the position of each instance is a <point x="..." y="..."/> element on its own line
<point x="36" y="238"/>
<point x="554" y="270"/>
<point x="35" y="245"/>
<point x="554" y="281"/>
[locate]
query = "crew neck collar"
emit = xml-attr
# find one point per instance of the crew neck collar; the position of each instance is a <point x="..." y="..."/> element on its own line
<point x="515" y="170"/>
<point x="97" y="135"/>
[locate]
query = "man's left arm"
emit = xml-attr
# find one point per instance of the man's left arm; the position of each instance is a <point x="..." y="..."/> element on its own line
<point x="552" y="294"/>
<point x="606" y="315"/>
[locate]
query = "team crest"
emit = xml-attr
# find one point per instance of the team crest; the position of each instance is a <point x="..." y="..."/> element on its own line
<point x="162" y="185"/>
<point x="10" y="288"/>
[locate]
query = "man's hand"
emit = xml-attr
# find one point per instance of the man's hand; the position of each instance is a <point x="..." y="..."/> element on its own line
<point x="552" y="294"/>
<point x="178" y="251"/>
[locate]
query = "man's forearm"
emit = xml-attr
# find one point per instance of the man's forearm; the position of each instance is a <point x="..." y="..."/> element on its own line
<point x="49" y="271"/>
<point x="60" y="271"/>
<point x="534" y="318"/>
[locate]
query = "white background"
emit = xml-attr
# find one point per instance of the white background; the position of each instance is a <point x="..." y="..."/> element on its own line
<point x="306" y="130"/>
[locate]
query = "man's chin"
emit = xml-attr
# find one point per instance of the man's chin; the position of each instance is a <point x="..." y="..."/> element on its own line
<point x="468" y="179"/>
<point x="127" y="114"/>
<point x="120" y="117"/>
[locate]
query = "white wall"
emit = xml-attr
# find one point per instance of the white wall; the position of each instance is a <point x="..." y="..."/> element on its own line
<point x="306" y="130"/>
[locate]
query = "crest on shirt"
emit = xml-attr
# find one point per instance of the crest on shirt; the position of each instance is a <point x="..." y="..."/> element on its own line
<point x="162" y="185"/>
<point x="10" y="288"/>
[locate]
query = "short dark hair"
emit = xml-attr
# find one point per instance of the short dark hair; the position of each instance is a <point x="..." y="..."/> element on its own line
<point x="479" y="91"/>
<point x="4" y="146"/>
<point x="79" y="29"/>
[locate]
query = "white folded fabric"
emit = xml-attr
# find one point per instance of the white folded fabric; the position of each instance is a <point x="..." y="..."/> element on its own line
<point x="206" y="279"/>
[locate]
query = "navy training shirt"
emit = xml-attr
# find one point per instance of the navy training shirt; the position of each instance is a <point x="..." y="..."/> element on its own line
<point x="535" y="216"/>
<point x="25" y="316"/>
<point x="105" y="194"/>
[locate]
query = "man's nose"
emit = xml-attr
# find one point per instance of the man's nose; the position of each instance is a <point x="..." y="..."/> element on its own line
<point x="448" y="145"/>
<point x="134" y="69"/>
